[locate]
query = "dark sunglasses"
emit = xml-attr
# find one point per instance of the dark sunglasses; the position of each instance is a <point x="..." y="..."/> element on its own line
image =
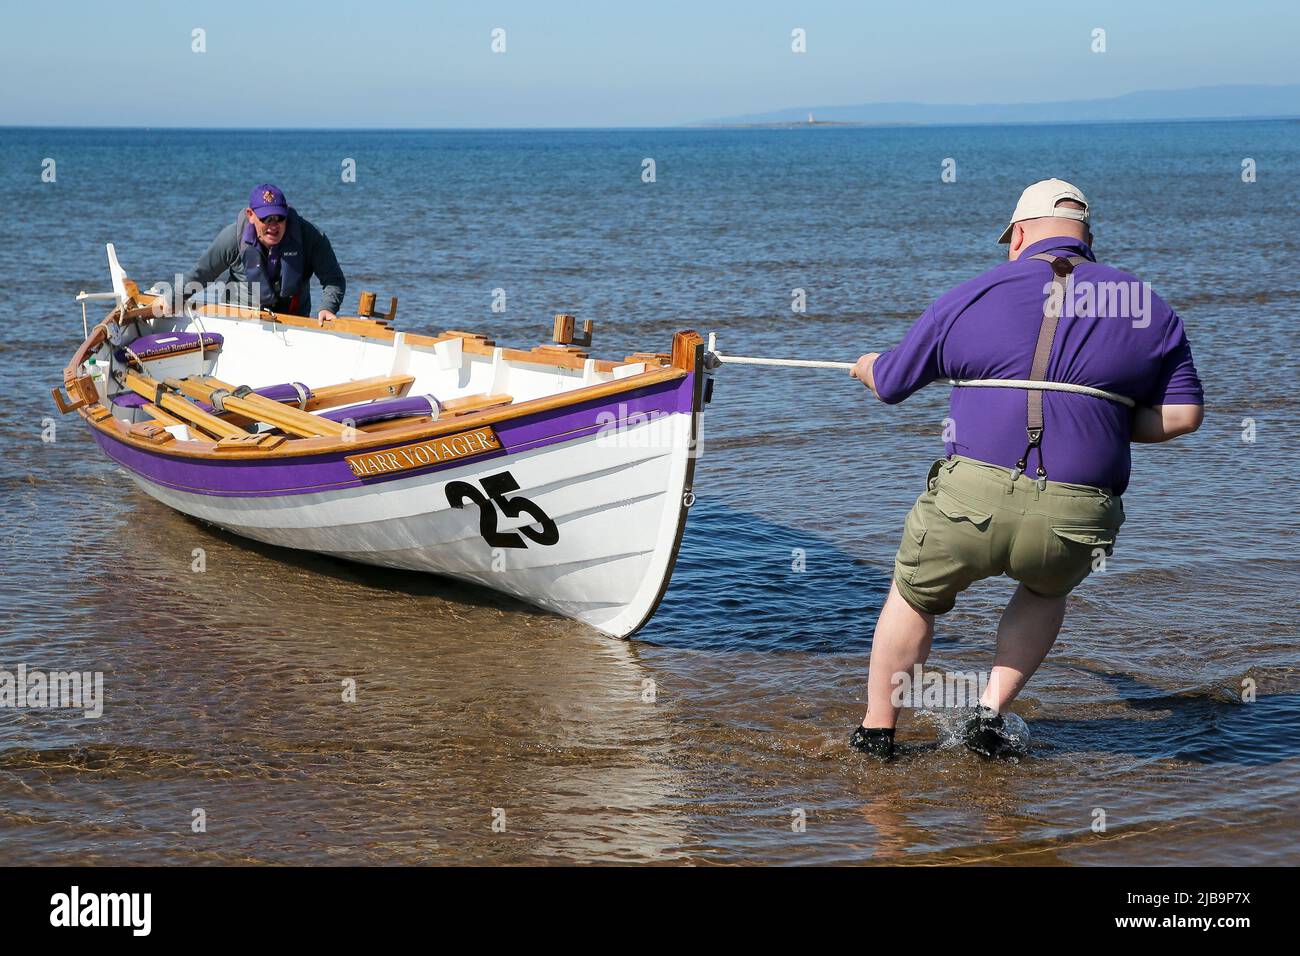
<point x="273" y="219"/>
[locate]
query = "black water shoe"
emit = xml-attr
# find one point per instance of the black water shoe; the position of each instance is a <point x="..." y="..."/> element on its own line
<point x="877" y="741"/>
<point x="985" y="733"/>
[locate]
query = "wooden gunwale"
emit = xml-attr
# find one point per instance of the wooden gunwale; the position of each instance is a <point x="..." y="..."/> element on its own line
<point x="361" y="440"/>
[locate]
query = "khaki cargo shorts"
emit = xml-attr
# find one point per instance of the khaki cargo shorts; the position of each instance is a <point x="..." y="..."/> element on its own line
<point x="973" y="522"/>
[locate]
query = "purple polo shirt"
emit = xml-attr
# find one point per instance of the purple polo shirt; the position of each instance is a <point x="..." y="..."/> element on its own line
<point x="1116" y="337"/>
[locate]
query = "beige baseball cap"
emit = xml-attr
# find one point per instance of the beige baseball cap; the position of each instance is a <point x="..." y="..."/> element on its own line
<point x="1039" y="201"/>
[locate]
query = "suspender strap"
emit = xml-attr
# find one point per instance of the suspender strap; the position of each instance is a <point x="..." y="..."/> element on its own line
<point x="1061" y="269"/>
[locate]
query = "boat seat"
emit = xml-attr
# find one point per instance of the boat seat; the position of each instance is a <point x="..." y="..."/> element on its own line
<point x="166" y="344"/>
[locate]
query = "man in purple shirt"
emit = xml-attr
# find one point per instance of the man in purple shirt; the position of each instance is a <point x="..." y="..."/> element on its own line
<point x="1031" y="483"/>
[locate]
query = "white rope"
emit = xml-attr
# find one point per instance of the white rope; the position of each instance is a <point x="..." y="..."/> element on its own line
<point x="957" y="383"/>
<point x="1045" y="386"/>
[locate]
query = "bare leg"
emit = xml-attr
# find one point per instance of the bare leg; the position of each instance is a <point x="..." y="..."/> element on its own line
<point x="902" y="639"/>
<point x="1026" y="633"/>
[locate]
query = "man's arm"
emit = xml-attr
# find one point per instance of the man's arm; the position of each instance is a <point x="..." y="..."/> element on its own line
<point x="333" y="284"/>
<point x="1175" y="403"/>
<point x="1165" y="422"/>
<point x="911" y="365"/>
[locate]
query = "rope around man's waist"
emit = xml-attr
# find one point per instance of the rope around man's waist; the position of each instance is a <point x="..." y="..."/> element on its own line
<point x="1046" y="386"/>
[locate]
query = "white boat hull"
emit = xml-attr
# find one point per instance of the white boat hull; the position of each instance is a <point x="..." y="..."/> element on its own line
<point x="617" y="499"/>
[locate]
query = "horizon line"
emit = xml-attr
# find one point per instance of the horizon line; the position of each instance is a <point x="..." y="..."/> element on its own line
<point x="850" y="124"/>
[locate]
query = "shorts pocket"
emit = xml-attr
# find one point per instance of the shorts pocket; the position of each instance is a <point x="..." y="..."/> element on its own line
<point x="909" y="551"/>
<point x="1090" y="537"/>
<point x="958" y="510"/>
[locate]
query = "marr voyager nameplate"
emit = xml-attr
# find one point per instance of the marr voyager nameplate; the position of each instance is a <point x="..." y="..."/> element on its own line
<point x="433" y="451"/>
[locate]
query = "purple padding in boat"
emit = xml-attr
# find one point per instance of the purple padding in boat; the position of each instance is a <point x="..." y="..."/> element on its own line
<point x="288" y="393"/>
<point x="129" y="400"/>
<point x="165" y="343"/>
<point x="385" y="409"/>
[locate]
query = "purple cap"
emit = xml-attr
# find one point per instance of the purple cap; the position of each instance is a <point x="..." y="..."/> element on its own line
<point x="267" y="200"/>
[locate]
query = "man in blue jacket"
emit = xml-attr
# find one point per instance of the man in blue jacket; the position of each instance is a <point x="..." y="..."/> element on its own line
<point x="269" y="254"/>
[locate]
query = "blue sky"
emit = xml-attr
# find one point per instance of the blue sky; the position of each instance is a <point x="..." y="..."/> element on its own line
<point x="328" y="63"/>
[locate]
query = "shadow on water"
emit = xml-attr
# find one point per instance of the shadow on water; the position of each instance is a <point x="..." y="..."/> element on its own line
<point x="745" y="584"/>
<point x="1195" y="726"/>
<point x="397" y="580"/>
<point x="741" y="583"/>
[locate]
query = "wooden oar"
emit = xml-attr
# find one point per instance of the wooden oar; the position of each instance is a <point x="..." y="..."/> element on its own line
<point x="262" y="409"/>
<point x="161" y="416"/>
<point x="181" y="407"/>
<point x="787" y="363"/>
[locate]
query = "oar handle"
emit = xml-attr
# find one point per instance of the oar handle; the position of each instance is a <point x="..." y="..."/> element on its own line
<point x="787" y="363"/>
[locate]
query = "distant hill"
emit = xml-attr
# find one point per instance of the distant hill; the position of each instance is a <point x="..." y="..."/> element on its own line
<point x="1206" y="102"/>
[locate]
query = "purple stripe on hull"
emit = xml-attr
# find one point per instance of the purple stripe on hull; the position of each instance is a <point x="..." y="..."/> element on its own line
<point x="295" y="476"/>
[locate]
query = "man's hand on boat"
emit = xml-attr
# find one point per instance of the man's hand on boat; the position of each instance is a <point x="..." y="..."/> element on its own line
<point x="323" y="316"/>
<point x="862" y="371"/>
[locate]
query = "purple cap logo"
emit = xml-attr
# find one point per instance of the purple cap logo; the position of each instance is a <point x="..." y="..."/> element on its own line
<point x="267" y="200"/>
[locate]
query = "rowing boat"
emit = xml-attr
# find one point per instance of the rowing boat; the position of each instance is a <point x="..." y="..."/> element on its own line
<point x="545" y="474"/>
